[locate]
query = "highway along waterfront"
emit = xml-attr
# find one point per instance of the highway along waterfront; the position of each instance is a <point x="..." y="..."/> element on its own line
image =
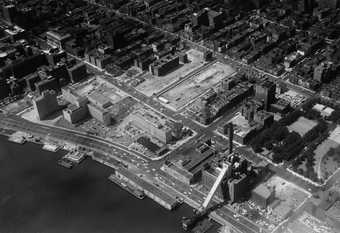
<point x="39" y="196"/>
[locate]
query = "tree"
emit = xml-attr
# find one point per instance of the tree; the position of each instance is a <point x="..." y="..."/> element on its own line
<point x="259" y="141"/>
<point x="309" y="104"/>
<point x="278" y="157"/>
<point x="290" y="148"/>
<point x="292" y="138"/>
<point x="290" y="117"/>
<point x="335" y="116"/>
<point x="312" y="114"/>
<point x="321" y="126"/>
<point x="268" y="145"/>
<point x="310" y="135"/>
<point x="280" y="133"/>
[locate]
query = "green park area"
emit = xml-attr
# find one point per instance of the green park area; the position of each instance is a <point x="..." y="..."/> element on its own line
<point x="305" y="140"/>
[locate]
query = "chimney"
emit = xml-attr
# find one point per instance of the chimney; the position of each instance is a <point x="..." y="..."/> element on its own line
<point x="231" y="137"/>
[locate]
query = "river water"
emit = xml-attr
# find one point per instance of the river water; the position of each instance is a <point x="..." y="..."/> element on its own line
<point x="39" y="196"/>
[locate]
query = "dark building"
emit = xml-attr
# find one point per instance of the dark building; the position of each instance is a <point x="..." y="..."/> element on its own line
<point x="4" y="88"/>
<point x="250" y="107"/>
<point x="264" y="118"/>
<point x="248" y="110"/>
<point x="281" y="106"/>
<point x="234" y="186"/>
<point x="207" y="55"/>
<point x="24" y="67"/>
<point x="213" y="104"/>
<point x="9" y="13"/>
<point x="323" y="72"/>
<point x="164" y="65"/>
<point x="77" y="72"/>
<point x="151" y="146"/>
<point x="60" y="73"/>
<point x="180" y="173"/>
<point x="238" y="187"/>
<point x="115" y="39"/>
<point x="55" y="56"/>
<point x="46" y="104"/>
<point x="329" y="4"/>
<point x="200" y="18"/>
<point x="231" y="137"/>
<point x="47" y="84"/>
<point x="215" y="19"/>
<point x="306" y="5"/>
<point x="31" y="79"/>
<point x="265" y="92"/>
<point x="208" y="18"/>
<point x="258" y="3"/>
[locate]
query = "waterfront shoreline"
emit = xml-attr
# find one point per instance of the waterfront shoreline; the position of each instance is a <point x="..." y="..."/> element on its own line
<point x="143" y="213"/>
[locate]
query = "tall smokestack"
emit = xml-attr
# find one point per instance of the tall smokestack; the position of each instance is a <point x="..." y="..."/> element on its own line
<point x="231" y="137"/>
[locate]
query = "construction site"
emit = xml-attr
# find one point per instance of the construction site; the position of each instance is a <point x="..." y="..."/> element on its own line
<point x="194" y="85"/>
<point x="153" y="84"/>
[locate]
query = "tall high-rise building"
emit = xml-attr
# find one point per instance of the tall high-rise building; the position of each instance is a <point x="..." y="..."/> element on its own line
<point x="306" y="5"/>
<point x="323" y="72"/>
<point x="248" y="111"/>
<point x="238" y="187"/>
<point x="9" y="12"/>
<point x="258" y="3"/>
<point x="4" y="88"/>
<point x="46" y="104"/>
<point x="266" y="92"/>
<point x="200" y="18"/>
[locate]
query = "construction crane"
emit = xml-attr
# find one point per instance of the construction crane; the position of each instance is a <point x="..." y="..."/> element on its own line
<point x="203" y="211"/>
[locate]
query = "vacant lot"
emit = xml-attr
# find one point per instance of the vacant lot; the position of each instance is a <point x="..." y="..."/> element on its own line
<point x="302" y="125"/>
<point x="191" y="88"/>
<point x="287" y="196"/>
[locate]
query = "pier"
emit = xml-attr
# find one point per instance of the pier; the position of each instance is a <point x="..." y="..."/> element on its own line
<point x="50" y="147"/>
<point x="18" y="137"/>
<point x="127" y="186"/>
<point x="75" y="156"/>
<point x="149" y="189"/>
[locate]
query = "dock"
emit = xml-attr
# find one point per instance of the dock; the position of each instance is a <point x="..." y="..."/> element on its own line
<point x="150" y="190"/>
<point x="50" y="147"/>
<point x="75" y="157"/>
<point x="18" y="137"/>
<point x="17" y="140"/>
<point x="203" y="226"/>
<point x="65" y="163"/>
<point x="127" y="186"/>
<point x="107" y="161"/>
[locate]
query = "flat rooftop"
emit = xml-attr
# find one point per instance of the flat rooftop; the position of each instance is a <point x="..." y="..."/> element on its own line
<point x="153" y="118"/>
<point x="241" y="125"/>
<point x="179" y="169"/>
<point x="99" y="97"/>
<point x="197" y="160"/>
